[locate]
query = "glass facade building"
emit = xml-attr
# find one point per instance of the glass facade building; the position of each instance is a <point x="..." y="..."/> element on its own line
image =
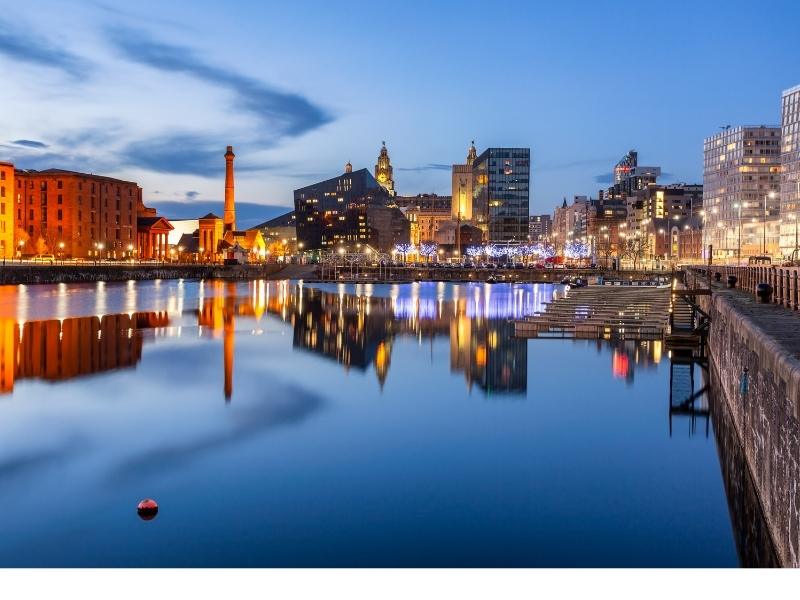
<point x="501" y="193"/>
<point x="741" y="204"/>
<point x="790" y="172"/>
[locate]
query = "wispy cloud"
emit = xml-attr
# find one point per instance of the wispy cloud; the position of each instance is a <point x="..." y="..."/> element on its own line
<point x="428" y="167"/>
<point x="32" y="49"/>
<point x="604" y="178"/>
<point x="186" y="153"/>
<point x="29" y="143"/>
<point x="280" y="113"/>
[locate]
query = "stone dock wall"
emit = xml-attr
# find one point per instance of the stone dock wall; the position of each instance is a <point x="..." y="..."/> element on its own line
<point x="764" y="403"/>
<point x="33" y="274"/>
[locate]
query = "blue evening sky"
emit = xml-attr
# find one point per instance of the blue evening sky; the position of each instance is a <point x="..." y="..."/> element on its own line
<point x="154" y="90"/>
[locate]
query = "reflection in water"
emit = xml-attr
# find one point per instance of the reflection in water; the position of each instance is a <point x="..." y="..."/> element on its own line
<point x="357" y="329"/>
<point x="55" y="350"/>
<point x="368" y="328"/>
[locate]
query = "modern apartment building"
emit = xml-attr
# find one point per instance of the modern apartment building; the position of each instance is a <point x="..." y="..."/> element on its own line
<point x="790" y="173"/>
<point x="741" y="204"/>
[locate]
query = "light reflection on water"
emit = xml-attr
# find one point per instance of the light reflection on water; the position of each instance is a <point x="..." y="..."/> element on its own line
<point x="360" y="426"/>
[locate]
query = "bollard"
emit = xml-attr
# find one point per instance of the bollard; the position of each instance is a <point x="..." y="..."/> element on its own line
<point x="764" y="293"/>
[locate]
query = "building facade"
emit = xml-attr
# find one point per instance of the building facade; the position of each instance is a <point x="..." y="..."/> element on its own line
<point x="461" y="206"/>
<point x="75" y="214"/>
<point x="540" y="227"/>
<point x="280" y="234"/>
<point x="741" y="204"/>
<point x="790" y="173"/>
<point x="501" y="193"/>
<point x="335" y="212"/>
<point x="7" y="207"/>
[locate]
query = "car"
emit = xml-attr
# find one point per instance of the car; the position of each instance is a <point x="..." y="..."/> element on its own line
<point x="44" y="258"/>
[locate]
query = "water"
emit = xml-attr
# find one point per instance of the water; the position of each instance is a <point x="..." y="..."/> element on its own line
<point x="280" y="424"/>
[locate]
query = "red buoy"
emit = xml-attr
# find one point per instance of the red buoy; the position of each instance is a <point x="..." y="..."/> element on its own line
<point x="147" y="509"/>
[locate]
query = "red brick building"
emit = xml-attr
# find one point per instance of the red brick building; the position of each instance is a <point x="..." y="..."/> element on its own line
<point x="75" y="214"/>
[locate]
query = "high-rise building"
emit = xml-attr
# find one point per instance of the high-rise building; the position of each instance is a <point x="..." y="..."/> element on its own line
<point x="7" y="207"/>
<point x="790" y="173"/>
<point x="741" y="178"/>
<point x="461" y="207"/>
<point x="629" y="177"/>
<point x="383" y="171"/>
<point x="540" y="227"/>
<point x="501" y="193"/>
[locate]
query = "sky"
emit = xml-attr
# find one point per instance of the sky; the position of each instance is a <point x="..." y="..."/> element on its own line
<point x="153" y="91"/>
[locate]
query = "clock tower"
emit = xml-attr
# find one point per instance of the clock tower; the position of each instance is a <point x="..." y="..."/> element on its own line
<point x="383" y="171"/>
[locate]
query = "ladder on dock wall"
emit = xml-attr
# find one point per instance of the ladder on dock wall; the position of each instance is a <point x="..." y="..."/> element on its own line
<point x="684" y="399"/>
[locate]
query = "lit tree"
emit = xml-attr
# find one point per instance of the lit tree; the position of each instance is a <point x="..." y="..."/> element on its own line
<point x="428" y="249"/>
<point x="404" y="249"/>
<point x="474" y="251"/>
<point x="576" y="250"/>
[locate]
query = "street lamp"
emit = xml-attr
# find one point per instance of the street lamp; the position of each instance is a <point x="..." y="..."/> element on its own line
<point x="738" y="207"/>
<point x="764" y="232"/>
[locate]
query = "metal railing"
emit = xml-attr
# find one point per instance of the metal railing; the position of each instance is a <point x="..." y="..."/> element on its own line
<point x="785" y="281"/>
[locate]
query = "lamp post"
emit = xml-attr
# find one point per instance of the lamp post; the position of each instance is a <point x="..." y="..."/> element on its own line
<point x="764" y="228"/>
<point x="738" y="207"/>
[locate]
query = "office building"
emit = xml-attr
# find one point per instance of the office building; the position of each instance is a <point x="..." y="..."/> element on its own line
<point x="540" y="227"/>
<point x="500" y="193"/>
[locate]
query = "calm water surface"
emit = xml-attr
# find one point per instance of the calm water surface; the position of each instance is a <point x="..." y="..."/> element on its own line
<point x="280" y="424"/>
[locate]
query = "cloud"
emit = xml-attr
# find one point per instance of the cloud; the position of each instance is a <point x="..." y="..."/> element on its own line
<point x="604" y="178"/>
<point x="38" y="51"/>
<point x="428" y="167"/>
<point x="186" y="153"/>
<point x="29" y="143"/>
<point x="280" y="113"/>
<point x="191" y="195"/>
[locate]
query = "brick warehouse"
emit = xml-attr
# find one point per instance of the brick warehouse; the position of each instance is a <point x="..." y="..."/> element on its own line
<point x="75" y="214"/>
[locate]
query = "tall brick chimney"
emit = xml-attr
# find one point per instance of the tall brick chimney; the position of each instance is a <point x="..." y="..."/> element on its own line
<point x="229" y="218"/>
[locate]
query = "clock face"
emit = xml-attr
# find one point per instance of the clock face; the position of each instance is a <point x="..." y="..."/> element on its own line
<point x="382" y="177"/>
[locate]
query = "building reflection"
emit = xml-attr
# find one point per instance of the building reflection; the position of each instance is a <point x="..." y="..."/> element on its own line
<point x="351" y="326"/>
<point x="629" y="355"/>
<point x="359" y="331"/>
<point x="60" y="349"/>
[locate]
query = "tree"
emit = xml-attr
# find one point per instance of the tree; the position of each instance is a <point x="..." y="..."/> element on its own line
<point x="41" y="245"/>
<point x="428" y="249"/>
<point x="634" y="249"/>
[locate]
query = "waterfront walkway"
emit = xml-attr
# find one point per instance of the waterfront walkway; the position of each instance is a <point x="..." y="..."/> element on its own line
<point x="777" y="322"/>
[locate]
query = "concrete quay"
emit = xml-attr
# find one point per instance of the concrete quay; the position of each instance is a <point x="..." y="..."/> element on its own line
<point x="755" y="363"/>
<point x="12" y="274"/>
